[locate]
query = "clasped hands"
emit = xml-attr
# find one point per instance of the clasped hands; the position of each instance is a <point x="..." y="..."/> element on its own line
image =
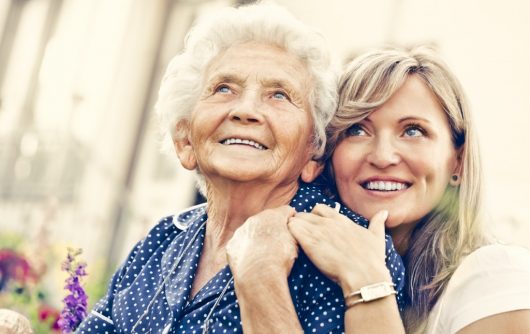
<point x="266" y="246"/>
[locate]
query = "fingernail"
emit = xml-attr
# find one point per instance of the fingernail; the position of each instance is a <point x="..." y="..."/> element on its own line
<point x="384" y="214"/>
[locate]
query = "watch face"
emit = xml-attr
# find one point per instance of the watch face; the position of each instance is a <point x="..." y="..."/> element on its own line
<point x="376" y="291"/>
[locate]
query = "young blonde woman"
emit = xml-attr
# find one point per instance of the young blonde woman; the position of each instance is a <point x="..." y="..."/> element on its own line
<point x="402" y="149"/>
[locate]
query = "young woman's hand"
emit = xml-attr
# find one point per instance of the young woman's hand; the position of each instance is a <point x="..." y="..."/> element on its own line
<point x="345" y="252"/>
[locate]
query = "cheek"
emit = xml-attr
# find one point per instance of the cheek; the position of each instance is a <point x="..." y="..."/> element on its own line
<point x="345" y="162"/>
<point x="293" y="133"/>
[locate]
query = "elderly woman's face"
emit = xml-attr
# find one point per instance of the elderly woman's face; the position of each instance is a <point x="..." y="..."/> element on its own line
<point x="253" y="120"/>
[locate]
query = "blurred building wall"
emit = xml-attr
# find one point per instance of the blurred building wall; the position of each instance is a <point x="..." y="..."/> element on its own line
<point x="79" y="150"/>
<point x="487" y="45"/>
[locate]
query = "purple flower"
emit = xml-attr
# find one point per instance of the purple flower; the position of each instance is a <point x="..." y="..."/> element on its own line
<point x="75" y="303"/>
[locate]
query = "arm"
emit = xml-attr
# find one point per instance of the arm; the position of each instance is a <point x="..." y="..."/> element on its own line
<point x="266" y="305"/>
<point x="508" y="322"/>
<point x="488" y="293"/>
<point x="261" y="254"/>
<point x="353" y="257"/>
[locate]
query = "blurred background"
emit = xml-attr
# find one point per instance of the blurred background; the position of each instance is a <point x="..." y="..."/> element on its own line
<point x="80" y="163"/>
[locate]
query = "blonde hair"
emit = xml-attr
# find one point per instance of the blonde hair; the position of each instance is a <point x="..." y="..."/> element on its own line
<point x="451" y="230"/>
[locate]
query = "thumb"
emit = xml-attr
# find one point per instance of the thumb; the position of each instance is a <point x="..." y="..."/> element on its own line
<point x="377" y="223"/>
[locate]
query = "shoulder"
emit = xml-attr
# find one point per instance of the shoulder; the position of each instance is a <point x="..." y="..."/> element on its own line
<point x="498" y="255"/>
<point x="491" y="280"/>
<point x="493" y="265"/>
<point x="178" y="222"/>
<point x="161" y="239"/>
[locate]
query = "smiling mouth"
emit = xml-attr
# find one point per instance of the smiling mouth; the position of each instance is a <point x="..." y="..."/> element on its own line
<point x="248" y="142"/>
<point x="385" y="185"/>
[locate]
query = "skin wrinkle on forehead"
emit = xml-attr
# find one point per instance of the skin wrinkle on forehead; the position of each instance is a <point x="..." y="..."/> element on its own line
<point x="211" y="80"/>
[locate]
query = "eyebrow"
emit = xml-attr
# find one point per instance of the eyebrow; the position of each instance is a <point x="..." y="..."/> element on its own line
<point x="278" y="83"/>
<point x="403" y="119"/>
<point x="413" y="118"/>
<point x="225" y="77"/>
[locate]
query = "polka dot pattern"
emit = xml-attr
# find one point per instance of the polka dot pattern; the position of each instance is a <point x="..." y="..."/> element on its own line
<point x="150" y="292"/>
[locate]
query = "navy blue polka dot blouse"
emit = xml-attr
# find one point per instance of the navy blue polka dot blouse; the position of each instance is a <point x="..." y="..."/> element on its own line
<point x="150" y="292"/>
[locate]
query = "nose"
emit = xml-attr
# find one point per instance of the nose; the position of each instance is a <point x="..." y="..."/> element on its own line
<point x="383" y="153"/>
<point x="247" y="109"/>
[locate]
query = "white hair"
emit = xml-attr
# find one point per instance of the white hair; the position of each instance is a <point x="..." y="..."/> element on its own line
<point x="263" y="22"/>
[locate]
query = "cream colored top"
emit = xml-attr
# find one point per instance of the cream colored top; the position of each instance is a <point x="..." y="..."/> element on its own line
<point x="491" y="280"/>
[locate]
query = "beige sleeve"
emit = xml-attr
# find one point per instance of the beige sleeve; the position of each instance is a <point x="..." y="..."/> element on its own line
<point x="492" y="280"/>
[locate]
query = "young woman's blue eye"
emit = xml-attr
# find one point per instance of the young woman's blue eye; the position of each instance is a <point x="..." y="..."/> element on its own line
<point x="355" y="130"/>
<point x="414" y="130"/>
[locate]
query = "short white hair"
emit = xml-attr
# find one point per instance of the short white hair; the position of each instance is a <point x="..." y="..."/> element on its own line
<point x="263" y="22"/>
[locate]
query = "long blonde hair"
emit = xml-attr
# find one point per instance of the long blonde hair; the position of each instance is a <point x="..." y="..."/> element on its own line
<point x="451" y="230"/>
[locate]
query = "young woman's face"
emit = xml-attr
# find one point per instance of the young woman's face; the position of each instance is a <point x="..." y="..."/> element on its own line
<point x="400" y="159"/>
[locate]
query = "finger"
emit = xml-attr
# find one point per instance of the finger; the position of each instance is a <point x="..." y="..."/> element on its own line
<point x="309" y="217"/>
<point x="297" y="227"/>
<point x="377" y="223"/>
<point x="330" y="213"/>
<point x="324" y="211"/>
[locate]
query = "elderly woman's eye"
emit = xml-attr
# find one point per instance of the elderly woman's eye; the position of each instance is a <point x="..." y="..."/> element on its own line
<point x="414" y="130"/>
<point x="279" y="95"/>
<point x="355" y="130"/>
<point x="223" y="89"/>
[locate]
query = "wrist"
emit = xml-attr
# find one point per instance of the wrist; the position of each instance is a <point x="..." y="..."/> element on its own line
<point x="260" y="279"/>
<point x="370" y="293"/>
<point x="351" y="282"/>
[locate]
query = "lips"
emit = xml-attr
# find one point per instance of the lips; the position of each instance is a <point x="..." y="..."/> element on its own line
<point x="243" y="141"/>
<point x="385" y="185"/>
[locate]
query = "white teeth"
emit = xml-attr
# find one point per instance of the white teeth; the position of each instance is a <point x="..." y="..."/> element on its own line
<point x="385" y="185"/>
<point x="252" y="143"/>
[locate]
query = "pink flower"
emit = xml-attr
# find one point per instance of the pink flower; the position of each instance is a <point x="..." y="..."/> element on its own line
<point x="14" y="266"/>
<point x="49" y="313"/>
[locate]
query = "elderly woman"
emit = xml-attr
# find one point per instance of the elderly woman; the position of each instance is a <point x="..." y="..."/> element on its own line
<point x="403" y="142"/>
<point x="247" y="103"/>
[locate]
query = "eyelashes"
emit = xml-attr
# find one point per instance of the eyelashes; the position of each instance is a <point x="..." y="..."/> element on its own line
<point x="356" y="130"/>
<point x="414" y="130"/>
<point x="222" y="89"/>
<point x="409" y="130"/>
<point x="276" y="94"/>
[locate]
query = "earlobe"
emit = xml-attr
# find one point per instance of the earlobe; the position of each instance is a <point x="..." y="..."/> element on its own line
<point x="183" y="146"/>
<point x="456" y="177"/>
<point x="455" y="180"/>
<point x="311" y="170"/>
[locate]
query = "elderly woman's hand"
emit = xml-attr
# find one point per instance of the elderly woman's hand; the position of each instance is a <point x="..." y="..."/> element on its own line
<point x="347" y="253"/>
<point x="12" y="322"/>
<point x="263" y="245"/>
<point x="261" y="255"/>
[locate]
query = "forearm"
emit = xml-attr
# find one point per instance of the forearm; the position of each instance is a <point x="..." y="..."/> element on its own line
<point x="266" y="306"/>
<point x="378" y="316"/>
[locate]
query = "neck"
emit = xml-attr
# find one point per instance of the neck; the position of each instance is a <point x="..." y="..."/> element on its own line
<point x="231" y="204"/>
<point x="401" y="237"/>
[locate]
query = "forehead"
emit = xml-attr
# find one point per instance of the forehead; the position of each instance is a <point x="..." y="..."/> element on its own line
<point x="413" y="99"/>
<point x="265" y="62"/>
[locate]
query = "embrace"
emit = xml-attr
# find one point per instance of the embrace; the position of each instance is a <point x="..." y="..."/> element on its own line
<point x="291" y="157"/>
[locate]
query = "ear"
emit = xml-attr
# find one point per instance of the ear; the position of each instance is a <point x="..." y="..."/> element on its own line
<point x="457" y="169"/>
<point x="311" y="170"/>
<point x="183" y="146"/>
